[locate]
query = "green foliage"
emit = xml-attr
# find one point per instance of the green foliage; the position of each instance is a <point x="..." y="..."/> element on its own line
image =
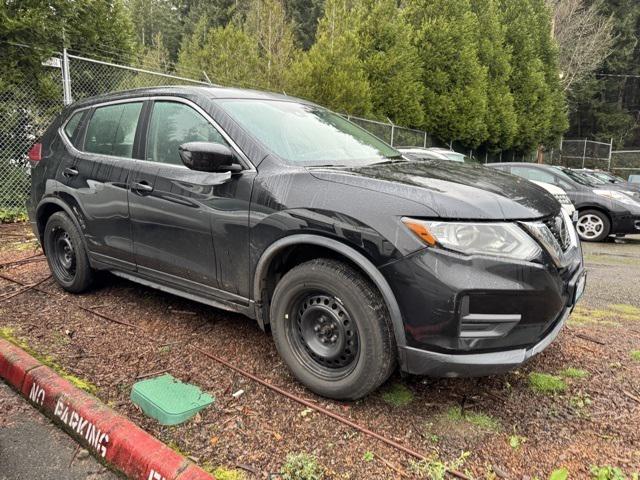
<point x="332" y="72"/>
<point x="559" y="474"/>
<point x="368" y="456"/>
<point x="603" y="107"/>
<point x="534" y="82"/>
<point x="455" y="95"/>
<point x="434" y="468"/>
<point x="572" y="372"/>
<point x="478" y="419"/>
<point x="13" y="215"/>
<point x="267" y="25"/>
<point x="305" y="15"/>
<point x="635" y="355"/>
<point x="516" y="441"/>
<point x="546" y="383"/>
<point x="607" y="472"/>
<point x="222" y="473"/>
<point x="398" y="395"/>
<point x="495" y="54"/>
<point x="302" y="466"/>
<point x="390" y="60"/>
<point x="227" y="54"/>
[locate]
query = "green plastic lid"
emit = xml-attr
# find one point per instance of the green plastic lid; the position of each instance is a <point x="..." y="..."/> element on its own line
<point x="169" y="400"/>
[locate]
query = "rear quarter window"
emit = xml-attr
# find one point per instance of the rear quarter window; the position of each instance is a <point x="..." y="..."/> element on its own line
<point x="72" y="127"/>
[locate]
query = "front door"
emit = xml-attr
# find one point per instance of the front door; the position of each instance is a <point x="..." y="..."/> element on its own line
<point x="175" y="211"/>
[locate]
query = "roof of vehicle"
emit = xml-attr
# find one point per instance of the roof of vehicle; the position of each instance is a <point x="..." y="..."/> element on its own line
<point x="188" y="90"/>
<point x="521" y="164"/>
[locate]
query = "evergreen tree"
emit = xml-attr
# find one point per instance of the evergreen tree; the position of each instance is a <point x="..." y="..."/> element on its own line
<point x="495" y="55"/>
<point x="605" y="107"/>
<point x="227" y="54"/>
<point x="455" y="98"/>
<point x="267" y="25"/>
<point x="535" y="79"/>
<point x="157" y="56"/>
<point x="332" y="72"/>
<point x="391" y="62"/>
<point x="153" y="17"/>
<point x="305" y="15"/>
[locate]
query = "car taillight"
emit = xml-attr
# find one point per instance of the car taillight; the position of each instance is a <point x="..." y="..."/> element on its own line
<point x="35" y="152"/>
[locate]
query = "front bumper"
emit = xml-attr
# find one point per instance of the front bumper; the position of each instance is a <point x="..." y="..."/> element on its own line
<point x="423" y="362"/>
<point x="625" y="223"/>
<point x="470" y="316"/>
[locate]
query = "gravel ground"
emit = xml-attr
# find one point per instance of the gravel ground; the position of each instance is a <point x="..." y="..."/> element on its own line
<point x="491" y="427"/>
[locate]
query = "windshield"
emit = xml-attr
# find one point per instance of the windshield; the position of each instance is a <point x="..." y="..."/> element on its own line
<point x="579" y="178"/>
<point x="308" y="135"/>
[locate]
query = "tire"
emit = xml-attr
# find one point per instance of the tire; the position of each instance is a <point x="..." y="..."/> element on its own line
<point x="66" y="254"/>
<point x="332" y="329"/>
<point x="593" y="226"/>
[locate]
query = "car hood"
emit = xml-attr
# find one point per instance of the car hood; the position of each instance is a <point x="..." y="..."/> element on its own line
<point x="450" y="189"/>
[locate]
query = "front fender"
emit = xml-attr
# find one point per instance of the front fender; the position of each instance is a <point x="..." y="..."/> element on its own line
<point x="353" y="255"/>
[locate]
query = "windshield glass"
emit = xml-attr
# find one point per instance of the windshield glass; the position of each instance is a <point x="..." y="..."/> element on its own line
<point x="308" y="135"/>
<point x="581" y="179"/>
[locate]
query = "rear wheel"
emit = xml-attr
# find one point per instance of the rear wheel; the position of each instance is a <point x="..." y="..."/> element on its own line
<point x="593" y="226"/>
<point x="66" y="254"/>
<point x="332" y="329"/>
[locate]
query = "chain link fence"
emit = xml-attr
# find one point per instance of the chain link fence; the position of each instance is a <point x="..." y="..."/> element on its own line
<point x="25" y="111"/>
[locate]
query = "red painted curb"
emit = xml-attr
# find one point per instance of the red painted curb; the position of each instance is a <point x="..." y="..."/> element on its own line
<point x="108" y="435"/>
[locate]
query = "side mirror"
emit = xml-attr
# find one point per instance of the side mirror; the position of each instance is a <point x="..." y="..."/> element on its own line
<point x="208" y="157"/>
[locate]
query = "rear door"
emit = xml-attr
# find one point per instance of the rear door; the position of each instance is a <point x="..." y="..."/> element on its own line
<point x="176" y="212"/>
<point x="96" y="173"/>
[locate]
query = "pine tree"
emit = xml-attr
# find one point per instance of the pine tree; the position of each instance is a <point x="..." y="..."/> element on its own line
<point x="535" y="79"/>
<point x="332" y="72"/>
<point x="391" y="62"/>
<point x="267" y="25"/>
<point x="156" y="57"/>
<point x="226" y="54"/>
<point x="495" y="55"/>
<point x="455" y="98"/>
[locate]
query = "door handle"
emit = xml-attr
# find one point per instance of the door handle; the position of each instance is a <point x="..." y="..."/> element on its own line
<point x="69" y="172"/>
<point x="142" y="187"/>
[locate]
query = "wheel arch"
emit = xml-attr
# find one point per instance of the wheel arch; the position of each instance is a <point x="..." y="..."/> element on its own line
<point x="48" y="207"/>
<point x="307" y="247"/>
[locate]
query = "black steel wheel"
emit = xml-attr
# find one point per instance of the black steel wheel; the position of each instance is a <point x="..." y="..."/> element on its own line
<point x="332" y="329"/>
<point x="66" y="253"/>
<point x="62" y="255"/>
<point x="324" y="336"/>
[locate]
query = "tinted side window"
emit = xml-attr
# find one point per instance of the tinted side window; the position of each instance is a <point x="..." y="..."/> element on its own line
<point x="536" y="174"/>
<point x="173" y="124"/>
<point x="71" y="127"/>
<point x="112" y="129"/>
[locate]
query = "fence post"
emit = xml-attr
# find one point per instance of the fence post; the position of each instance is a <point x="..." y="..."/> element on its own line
<point x="425" y="140"/>
<point x="392" y="129"/>
<point x="610" y="154"/>
<point x="584" y="152"/>
<point x="66" y="78"/>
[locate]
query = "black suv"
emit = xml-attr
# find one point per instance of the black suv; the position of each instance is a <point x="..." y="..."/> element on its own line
<point x="603" y="209"/>
<point x="355" y="257"/>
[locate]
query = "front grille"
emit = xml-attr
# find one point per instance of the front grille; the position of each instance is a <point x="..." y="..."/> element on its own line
<point x="558" y="228"/>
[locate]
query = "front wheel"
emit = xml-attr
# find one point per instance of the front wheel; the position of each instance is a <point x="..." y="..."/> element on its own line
<point x="332" y="329"/>
<point x="593" y="226"/>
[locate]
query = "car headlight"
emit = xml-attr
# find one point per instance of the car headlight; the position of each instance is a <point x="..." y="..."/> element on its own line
<point x="617" y="196"/>
<point x="495" y="239"/>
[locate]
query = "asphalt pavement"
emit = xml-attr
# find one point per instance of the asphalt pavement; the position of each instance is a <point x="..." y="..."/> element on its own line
<point x="33" y="448"/>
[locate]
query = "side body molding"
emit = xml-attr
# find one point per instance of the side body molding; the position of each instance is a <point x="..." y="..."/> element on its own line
<point x="356" y="257"/>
